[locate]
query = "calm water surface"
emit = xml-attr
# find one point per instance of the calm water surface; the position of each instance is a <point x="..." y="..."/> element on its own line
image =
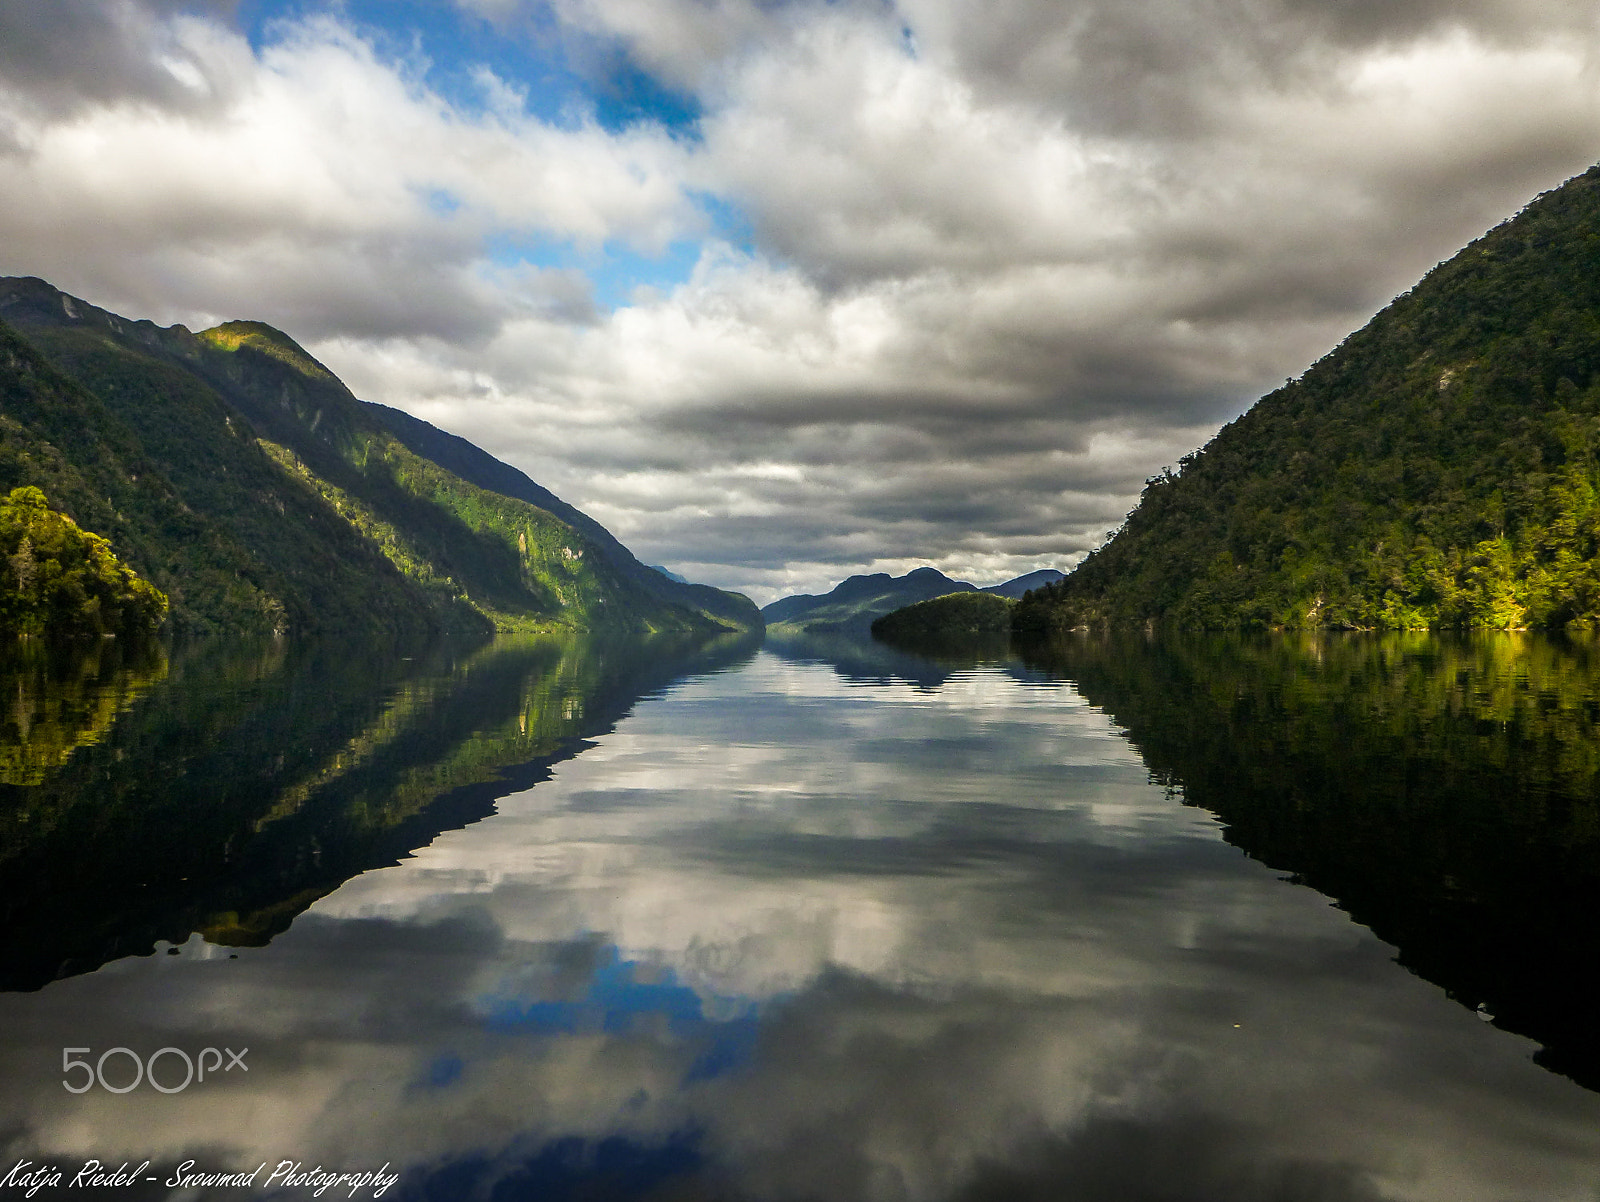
<point x="1117" y="919"/>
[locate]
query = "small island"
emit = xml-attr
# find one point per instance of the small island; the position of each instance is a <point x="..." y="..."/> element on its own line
<point x="955" y="615"/>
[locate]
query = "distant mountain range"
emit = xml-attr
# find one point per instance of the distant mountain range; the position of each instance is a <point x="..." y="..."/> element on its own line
<point x="241" y="477"/>
<point x="851" y="607"/>
<point x="1022" y="584"/>
<point x="1441" y="467"/>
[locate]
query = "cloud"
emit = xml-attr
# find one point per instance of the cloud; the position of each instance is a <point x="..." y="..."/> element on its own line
<point x="1194" y="1156"/>
<point x="964" y="273"/>
<point x="324" y="188"/>
<point x="70" y="55"/>
<point x="950" y="944"/>
<point x="684" y="43"/>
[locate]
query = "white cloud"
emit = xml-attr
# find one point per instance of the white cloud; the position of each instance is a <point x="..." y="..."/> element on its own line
<point x="1004" y="260"/>
<point x="323" y="189"/>
<point x="685" y="42"/>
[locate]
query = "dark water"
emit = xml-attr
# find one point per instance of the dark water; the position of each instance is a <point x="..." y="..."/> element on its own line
<point x="551" y="919"/>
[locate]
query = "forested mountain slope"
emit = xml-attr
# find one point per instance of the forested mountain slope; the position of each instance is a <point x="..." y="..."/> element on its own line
<point x="476" y="466"/>
<point x="270" y="497"/>
<point x="1439" y="468"/>
<point x="243" y="549"/>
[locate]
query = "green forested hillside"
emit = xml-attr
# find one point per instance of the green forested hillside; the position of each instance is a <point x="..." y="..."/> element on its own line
<point x="276" y="500"/>
<point x="476" y="466"/>
<point x="954" y="615"/>
<point x="56" y="578"/>
<point x="1439" y="468"/>
<point x="241" y="549"/>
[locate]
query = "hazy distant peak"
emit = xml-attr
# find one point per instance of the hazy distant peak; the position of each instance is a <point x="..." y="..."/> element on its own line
<point x="1022" y="584"/>
<point x="853" y="603"/>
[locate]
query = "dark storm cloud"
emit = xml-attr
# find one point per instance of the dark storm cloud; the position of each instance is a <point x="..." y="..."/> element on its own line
<point x="64" y="55"/>
<point x="1174" y="67"/>
<point x="1112" y="382"/>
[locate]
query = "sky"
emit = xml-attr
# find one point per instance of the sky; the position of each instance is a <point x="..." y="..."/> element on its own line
<point x="785" y="290"/>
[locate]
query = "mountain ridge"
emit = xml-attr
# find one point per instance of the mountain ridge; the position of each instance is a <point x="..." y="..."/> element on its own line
<point x="239" y="422"/>
<point x="856" y="600"/>
<point x="477" y="466"/>
<point x="1439" y="468"/>
<point x="853" y="604"/>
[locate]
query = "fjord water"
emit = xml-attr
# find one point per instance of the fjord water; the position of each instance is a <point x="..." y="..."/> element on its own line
<point x="562" y="919"/>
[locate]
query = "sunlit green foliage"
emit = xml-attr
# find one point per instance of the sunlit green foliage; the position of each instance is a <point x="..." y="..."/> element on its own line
<point x="474" y="466"/>
<point x="1441" y="468"/>
<point x="258" y="336"/>
<point x="60" y="581"/>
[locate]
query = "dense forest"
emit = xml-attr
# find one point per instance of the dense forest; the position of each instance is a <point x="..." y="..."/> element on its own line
<point x="60" y="580"/>
<point x="954" y="615"/>
<point x="241" y="478"/>
<point x="1440" y="468"/>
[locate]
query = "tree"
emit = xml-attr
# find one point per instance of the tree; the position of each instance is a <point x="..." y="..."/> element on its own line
<point x="59" y="581"/>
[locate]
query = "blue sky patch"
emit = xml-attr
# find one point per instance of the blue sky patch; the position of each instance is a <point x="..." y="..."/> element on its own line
<point x="444" y="1069"/>
<point x="621" y="998"/>
<point x="614" y="271"/>
<point x="563" y="76"/>
<point x="563" y="79"/>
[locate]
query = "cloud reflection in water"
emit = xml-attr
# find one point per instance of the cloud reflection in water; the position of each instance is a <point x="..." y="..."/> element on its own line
<point x="784" y="936"/>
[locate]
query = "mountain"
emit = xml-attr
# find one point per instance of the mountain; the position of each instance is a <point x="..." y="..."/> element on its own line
<point x="1022" y="584"/>
<point x="476" y="466"/>
<point x="1441" y="467"/>
<point x="243" y="479"/>
<point x="852" y="605"/>
<point x="237" y="550"/>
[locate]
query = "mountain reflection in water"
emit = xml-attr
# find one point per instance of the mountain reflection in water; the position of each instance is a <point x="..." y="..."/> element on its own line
<point x="1445" y="791"/>
<point x="840" y="923"/>
<point x="266" y="774"/>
